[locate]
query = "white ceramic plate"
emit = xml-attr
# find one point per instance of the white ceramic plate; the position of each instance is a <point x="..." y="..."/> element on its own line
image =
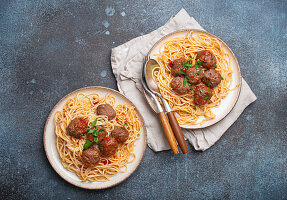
<point x="228" y="102"/>
<point x="53" y="155"/>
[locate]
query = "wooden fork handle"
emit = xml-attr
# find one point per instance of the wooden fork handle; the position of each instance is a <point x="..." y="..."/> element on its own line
<point x="177" y="132"/>
<point x="168" y="132"/>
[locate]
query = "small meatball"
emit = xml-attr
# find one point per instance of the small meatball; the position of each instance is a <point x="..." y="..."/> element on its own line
<point x="202" y="94"/>
<point x="101" y="135"/>
<point x="177" y="85"/>
<point x="106" y="109"/>
<point x="108" y="146"/>
<point x="91" y="156"/>
<point x="178" y="62"/>
<point x="121" y="135"/>
<point x="211" y="78"/>
<point x="195" y="75"/>
<point x="77" y="127"/>
<point x="175" y="71"/>
<point x="176" y="66"/>
<point x="207" y="57"/>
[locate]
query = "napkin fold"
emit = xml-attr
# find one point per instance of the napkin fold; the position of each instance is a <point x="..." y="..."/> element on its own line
<point x="127" y="62"/>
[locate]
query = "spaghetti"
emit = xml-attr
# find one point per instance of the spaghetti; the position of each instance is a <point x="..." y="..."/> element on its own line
<point x="187" y="112"/>
<point x="70" y="149"/>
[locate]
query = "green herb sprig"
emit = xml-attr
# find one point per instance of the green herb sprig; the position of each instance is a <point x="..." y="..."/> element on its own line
<point x="123" y="127"/>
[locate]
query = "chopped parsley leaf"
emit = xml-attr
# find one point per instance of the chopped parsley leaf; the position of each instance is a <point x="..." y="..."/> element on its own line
<point x="209" y="84"/>
<point x="185" y="81"/>
<point x="87" y="144"/>
<point x="208" y="90"/>
<point x="205" y="98"/>
<point x="191" y="89"/>
<point x="199" y="62"/>
<point x="168" y="72"/>
<point x="222" y="78"/>
<point x="190" y="59"/>
<point x="198" y="72"/>
<point x="215" y="65"/>
<point x="96" y="140"/>
<point x="182" y="72"/>
<point x="202" y="91"/>
<point x="123" y="127"/>
<point x="186" y="64"/>
<point x="93" y="124"/>
<point x="212" y="58"/>
<point x="91" y="130"/>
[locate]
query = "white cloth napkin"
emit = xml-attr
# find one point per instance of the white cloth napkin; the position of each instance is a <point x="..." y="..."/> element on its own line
<point x="127" y="61"/>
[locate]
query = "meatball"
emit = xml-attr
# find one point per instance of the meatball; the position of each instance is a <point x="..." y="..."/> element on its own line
<point x="178" y="62"/>
<point x="101" y="134"/>
<point x="177" y="85"/>
<point x="77" y="127"/>
<point x="176" y="66"/>
<point x="211" y="78"/>
<point x="91" y="156"/>
<point x="108" y="146"/>
<point x="207" y="58"/>
<point x="195" y="75"/>
<point x="106" y="109"/>
<point x="202" y="94"/>
<point x="121" y="135"/>
<point x="175" y="71"/>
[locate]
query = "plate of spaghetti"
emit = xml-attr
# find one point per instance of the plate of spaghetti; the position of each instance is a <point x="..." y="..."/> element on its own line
<point x="198" y="75"/>
<point x="95" y="138"/>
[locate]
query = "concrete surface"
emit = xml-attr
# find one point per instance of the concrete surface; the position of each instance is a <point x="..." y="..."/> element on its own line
<point x="50" y="48"/>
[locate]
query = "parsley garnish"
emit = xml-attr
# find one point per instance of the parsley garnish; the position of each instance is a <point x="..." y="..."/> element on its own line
<point x="182" y="72"/>
<point x="123" y="127"/>
<point x="93" y="124"/>
<point x="215" y="65"/>
<point x="202" y="91"/>
<point x="212" y="58"/>
<point x="96" y="140"/>
<point x="191" y="89"/>
<point x="185" y="80"/>
<point x="97" y="133"/>
<point x="189" y="84"/>
<point x="209" y="84"/>
<point x="199" y="62"/>
<point x="190" y="59"/>
<point x="186" y="64"/>
<point x="91" y="130"/>
<point x="205" y="98"/>
<point x="222" y="78"/>
<point x="87" y="144"/>
<point x="208" y="90"/>
<point x="168" y="72"/>
<point x="198" y="72"/>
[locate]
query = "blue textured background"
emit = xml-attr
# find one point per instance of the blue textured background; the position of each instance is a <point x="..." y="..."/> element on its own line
<point x="50" y="48"/>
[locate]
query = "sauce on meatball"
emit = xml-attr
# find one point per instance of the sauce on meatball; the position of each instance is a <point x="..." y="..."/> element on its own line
<point x="202" y="94"/>
<point x="77" y="127"/>
<point x="177" y="84"/>
<point x="91" y="156"/>
<point x="108" y="146"/>
<point x="207" y="58"/>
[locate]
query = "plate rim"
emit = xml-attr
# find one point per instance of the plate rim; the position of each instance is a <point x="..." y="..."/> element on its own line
<point x="232" y="54"/>
<point x="58" y="171"/>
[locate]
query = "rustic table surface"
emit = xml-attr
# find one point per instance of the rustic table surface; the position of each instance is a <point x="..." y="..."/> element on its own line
<point x="50" y="48"/>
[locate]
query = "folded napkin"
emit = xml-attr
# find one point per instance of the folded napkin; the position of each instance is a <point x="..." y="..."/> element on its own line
<point x="127" y="62"/>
